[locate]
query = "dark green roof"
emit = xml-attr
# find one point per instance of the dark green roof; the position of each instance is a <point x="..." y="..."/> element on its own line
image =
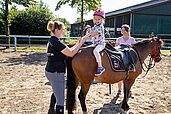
<point x="134" y="8"/>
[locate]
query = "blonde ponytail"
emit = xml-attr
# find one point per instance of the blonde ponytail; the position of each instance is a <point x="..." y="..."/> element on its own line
<point x="50" y="26"/>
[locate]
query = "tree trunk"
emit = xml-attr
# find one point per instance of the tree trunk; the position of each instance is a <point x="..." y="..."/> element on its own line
<point x="7" y="31"/>
<point x="82" y="10"/>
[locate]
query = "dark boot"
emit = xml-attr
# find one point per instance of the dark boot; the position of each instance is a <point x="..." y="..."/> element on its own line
<point x="52" y="104"/>
<point x="51" y="111"/>
<point x="52" y="101"/>
<point x="59" y="109"/>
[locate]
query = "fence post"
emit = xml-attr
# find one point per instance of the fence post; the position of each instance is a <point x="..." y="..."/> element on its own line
<point x="15" y="43"/>
<point x="29" y="41"/>
<point x="69" y="40"/>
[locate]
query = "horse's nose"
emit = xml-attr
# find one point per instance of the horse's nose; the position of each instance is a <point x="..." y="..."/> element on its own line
<point x="157" y="59"/>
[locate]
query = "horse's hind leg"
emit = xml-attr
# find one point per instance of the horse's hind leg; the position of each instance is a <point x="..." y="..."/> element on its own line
<point x="71" y="104"/>
<point x="82" y="96"/>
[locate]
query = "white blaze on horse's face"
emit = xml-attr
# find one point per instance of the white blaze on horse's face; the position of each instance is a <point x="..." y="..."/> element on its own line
<point x="155" y="53"/>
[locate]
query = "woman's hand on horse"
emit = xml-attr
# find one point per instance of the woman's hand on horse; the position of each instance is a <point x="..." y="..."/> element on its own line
<point x="82" y="40"/>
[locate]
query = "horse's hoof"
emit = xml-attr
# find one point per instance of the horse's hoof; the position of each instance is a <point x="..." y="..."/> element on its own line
<point x="125" y="107"/>
<point x="85" y="112"/>
<point x="124" y="112"/>
<point x="51" y="111"/>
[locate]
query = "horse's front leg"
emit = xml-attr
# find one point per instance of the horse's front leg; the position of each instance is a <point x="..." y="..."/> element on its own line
<point x="125" y="105"/>
<point x="82" y="96"/>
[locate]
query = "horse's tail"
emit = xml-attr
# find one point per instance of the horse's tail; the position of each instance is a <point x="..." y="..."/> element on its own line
<point x="71" y="86"/>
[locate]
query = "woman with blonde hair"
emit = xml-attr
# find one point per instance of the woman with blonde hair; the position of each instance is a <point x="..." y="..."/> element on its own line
<point x="57" y="52"/>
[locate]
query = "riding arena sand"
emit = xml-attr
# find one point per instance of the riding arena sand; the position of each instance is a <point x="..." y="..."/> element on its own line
<point x="24" y="89"/>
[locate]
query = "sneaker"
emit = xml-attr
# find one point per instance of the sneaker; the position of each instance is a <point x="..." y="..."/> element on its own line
<point x="99" y="71"/>
<point x="118" y="94"/>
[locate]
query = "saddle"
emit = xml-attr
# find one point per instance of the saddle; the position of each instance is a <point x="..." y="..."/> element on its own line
<point x="121" y="57"/>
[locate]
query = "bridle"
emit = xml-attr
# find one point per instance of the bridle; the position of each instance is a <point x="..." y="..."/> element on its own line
<point x="153" y="58"/>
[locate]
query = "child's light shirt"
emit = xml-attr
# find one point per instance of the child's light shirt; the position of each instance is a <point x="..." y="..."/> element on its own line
<point x="99" y="39"/>
<point x="129" y="41"/>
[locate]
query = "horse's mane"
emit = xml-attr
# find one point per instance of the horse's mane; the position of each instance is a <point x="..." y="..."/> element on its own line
<point x="144" y="41"/>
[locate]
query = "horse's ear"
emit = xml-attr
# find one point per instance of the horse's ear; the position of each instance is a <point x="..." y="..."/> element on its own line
<point x="151" y="35"/>
<point x="158" y="38"/>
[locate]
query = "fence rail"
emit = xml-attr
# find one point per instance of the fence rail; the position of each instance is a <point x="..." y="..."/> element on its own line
<point x="19" y="40"/>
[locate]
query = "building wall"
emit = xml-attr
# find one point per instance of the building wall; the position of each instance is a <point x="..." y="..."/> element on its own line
<point x="155" y="19"/>
<point x="143" y="21"/>
<point x="145" y="24"/>
<point x="113" y="24"/>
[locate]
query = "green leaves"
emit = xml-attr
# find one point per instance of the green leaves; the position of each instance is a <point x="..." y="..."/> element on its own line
<point x="25" y="3"/>
<point x="60" y="3"/>
<point x="83" y="6"/>
<point x="32" y="21"/>
<point x="88" y="5"/>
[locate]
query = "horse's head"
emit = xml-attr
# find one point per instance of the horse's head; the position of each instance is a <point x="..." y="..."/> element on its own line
<point x="155" y="51"/>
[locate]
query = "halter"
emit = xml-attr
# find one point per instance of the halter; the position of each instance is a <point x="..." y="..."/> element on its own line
<point x="155" y="57"/>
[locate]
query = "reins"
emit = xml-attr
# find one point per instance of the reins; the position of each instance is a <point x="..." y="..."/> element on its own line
<point x="149" y="66"/>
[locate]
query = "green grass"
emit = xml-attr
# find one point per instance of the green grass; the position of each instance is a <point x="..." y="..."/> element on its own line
<point x="32" y="48"/>
<point x="166" y="52"/>
<point x="72" y="41"/>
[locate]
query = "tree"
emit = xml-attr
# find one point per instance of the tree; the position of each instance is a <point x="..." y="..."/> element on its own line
<point x="32" y="20"/>
<point x="83" y="6"/>
<point x="5" y="9"/>
<point x="1" y="24"/>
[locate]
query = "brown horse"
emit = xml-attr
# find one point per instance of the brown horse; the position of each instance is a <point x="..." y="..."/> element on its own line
<point x="84" y="67"/>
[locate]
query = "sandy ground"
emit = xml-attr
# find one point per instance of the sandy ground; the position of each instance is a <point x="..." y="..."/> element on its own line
<point x="24" y="88"/>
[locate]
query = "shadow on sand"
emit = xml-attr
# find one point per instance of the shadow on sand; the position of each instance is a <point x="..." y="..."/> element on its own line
<point x="111" y="108"/>
<point x="28" y="58"/>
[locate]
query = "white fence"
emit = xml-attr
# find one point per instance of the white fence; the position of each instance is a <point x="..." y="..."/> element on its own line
<point x="28" y="41"/>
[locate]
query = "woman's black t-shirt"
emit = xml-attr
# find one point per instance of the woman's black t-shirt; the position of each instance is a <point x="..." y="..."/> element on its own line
<point x="56" y="59"/>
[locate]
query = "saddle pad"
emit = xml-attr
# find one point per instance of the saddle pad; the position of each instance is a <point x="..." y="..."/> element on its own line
<point x="116" y="61"/>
